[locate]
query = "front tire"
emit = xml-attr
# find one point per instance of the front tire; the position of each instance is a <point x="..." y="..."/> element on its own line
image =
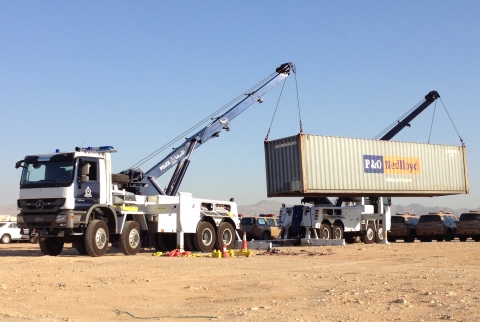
<point x="130" y="241"/>
<point x="205" y="237"/>
<point x="6" y="239"/>
<point x="51" y="246"/>
<point x="96" y="238"/>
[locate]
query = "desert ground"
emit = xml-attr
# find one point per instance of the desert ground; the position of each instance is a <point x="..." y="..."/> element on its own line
<point x="395" y="282"/>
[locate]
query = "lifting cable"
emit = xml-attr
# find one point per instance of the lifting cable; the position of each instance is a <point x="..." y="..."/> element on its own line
<point x="278" y="102"/>
<point x="197" y="125"/>
<point x="461" y="140"/>
<point x="298" y="103"/>
<point x="431" y="125"/>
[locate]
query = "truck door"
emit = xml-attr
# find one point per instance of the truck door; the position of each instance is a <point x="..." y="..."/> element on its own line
<point x="87" y="187"/>
<point x="296" y="221"/>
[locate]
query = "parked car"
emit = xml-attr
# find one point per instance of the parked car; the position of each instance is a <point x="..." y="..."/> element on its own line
<point x="263" y="227"/>
<point x="437" y="225"/>
<point x="403" y="226"/>
<point x="10" y="231"/>
<point x="468" y="226"/>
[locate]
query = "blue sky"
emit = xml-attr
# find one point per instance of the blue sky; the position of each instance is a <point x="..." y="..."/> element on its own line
<point x="134" y="75"/>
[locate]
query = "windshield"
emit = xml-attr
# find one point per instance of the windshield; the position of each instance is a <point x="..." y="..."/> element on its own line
<point x="47" y="174"/>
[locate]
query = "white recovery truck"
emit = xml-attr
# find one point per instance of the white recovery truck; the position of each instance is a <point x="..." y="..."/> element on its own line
<point x="352" y="219"/>
<point x="73" y="197"/>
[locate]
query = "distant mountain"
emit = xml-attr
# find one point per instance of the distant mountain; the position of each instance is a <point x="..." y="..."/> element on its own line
<point x="263" y="207"/>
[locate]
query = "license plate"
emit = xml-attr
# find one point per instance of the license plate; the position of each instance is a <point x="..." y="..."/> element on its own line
<point x="38" y="219"/>
<point x="428" y="226"/>
<point x="470" y="225"/>
<point x="394" y="226"/>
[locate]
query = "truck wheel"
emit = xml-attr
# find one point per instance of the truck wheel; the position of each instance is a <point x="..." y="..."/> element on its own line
<point x="51" y="246"/>
<point x="337" y="232"/>
<point x="379" y="236"/>
<point x="369" y="236"/>
<point x="462" y="238"/>
<point x="394" y="239"/>
<point x="189" y="245"/>
<point x="6" y="239"/>
<point x="324" y="231"/>
<point x="80" y="246"/>
<point x="205" y="237"/>
<point x="130" y="241"/>
<point x="449" y="236"/>
<point x="349" y="239"/>
<point x="266" y="235"/>
<point x="165" y="242"/>
<point x="96" y="238"/>
<point x="225" y="235"/>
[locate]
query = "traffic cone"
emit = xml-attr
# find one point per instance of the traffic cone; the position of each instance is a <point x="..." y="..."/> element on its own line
<point x="244" y="242"/>
<point x="224" y="251"/>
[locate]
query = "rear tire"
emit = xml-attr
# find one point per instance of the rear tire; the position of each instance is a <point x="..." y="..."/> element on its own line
<point x="337" y="232"/>
<point x="393" y="239"/>
<point x="349" y="239"/>
<point x="189" y="245"/>
<point x="165" y="242"/>
<point x="96" y="238"/>
<point x="325" y="232"/>
<point x="369" y="236"/>
<point x="379" y="236"/>
<point x="205" y="237"/>
<point x="462" y="239"/>
<point x="226" y="236"/>
<point x="51" y="246"/>
<point x="130" y="241"/>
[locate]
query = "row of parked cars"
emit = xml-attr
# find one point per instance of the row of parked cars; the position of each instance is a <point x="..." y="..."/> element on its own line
<point x="437" y="226"/>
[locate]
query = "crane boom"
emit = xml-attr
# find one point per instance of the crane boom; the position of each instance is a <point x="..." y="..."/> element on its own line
<point x="180" y="156"/>
<point x="429" y="99"/>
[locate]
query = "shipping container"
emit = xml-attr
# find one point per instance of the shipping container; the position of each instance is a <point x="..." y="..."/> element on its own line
<point x="314" y="165"/>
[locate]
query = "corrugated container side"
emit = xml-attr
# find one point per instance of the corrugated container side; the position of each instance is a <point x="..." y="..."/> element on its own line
<point x="334" y="166"/>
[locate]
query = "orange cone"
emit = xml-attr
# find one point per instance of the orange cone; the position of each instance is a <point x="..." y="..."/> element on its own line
<point x="224" y="251"/>
<point x="244" y="242"/>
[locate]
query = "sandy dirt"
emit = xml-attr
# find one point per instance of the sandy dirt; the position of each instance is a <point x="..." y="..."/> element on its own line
<point x="396" y="282"/>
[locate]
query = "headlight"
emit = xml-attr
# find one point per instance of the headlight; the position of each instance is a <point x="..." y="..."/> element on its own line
<point x="20" y="219"/>
<point x="61" y="219"/>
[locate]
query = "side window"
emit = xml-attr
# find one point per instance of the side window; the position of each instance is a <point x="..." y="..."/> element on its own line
<point x="271" y="222"/>
<point x="261" y="221"/>
<point x="13" y="225"/>
<point x="88" y="170"/>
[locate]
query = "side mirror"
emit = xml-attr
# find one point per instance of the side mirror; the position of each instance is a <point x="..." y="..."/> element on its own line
<point x="19" y="164"/>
